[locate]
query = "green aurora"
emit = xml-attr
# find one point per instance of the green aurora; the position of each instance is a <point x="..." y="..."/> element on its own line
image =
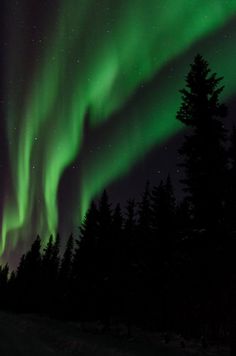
<point x="94" y="58"/>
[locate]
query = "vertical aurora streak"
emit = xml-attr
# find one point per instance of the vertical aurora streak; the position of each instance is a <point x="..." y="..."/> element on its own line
<point x="95" y="58"/>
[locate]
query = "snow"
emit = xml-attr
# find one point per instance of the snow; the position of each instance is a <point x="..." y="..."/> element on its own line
<point x="29" y="335"/>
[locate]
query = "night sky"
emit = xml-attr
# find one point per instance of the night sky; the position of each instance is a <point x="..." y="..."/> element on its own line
<point x="89" y="93"/>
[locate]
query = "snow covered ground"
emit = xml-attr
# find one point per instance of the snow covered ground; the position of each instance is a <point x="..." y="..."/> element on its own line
<point x="22" y="335"/>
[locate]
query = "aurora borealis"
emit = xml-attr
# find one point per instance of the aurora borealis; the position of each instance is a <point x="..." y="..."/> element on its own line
<point x="92" y="86"/>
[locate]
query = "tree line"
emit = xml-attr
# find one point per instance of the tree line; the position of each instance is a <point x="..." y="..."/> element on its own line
<point x="159" y="262"/>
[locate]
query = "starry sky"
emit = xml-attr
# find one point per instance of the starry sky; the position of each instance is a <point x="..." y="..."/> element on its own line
<point x="88" y="97"/>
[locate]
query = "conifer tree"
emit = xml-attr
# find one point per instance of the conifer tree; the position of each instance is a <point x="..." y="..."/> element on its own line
<point x="203" y="151"/>
<point x="129" y="273"/>
<point x="28" y="278"/>
<point x="49" y="272"/>
<point x="130" y="220"/>
<point x="117" y="239"/>
<point x="104" y="263"/>
<point x="141" y="265"/>
<point x="117" y="257"/>
<point x="65" y="279"/>
<point x="163" y="214"/>
<point x="65" y="272"/>
<point x="4" y="272"/>
<point x="231" y="186"/>
<point x="85" y="261"/>
<point x="144" y="213"/>
<point x="47" y="262"/>
<point x="84" y="255"/>
<point x="117" y="219"/>
<point x="104" y="217"/>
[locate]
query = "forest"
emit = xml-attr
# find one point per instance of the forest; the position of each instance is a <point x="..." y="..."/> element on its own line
<point x="160" y="263"/>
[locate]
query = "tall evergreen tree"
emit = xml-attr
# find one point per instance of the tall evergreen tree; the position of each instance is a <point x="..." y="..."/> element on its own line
<point x="105" y="263"/>
<point x="129" y="272"/>
<point x="117" y="239"/>
<point x="163" y="213"/>
<point x="85" y="263"/>
<point x="142" y="273"/>
<point x="104" y="216"/>
<point x="65" y="272"/>
<point x="231" y="224"/>
<point x="203" y="150"/>
<point x="47" y="260"/>
<point x="49" y="272"/>
<point x="130" y="220"/>
<point x="65" y="279"/>
<point x="163" y="209"/>
<point x="28" y="278"/>
<point x="205" y="168"/>
<point x="117" y="220"/>
<point x="4" y="272"/>
<point x="56" y="253"/>
<point x="183" y="218"/>
<point x="231" y="186"/>
<point x="144" y="212"/>
<point x="143" y="236"/>
<point x="87" y="243"/>
<point x="117" y="258"/>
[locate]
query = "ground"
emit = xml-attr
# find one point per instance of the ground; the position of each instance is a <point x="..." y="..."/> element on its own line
<point x="22" y="335"/>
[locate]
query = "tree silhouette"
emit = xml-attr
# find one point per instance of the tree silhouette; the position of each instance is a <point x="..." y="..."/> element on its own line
<point x="163" y="222"/>
<point x="117" y="258"/>
<point x="49" y="272"/>
<point x="104" y="264"/>
<point x="144" y="212"/>
<point x="87" y="243"/>
<point x="231" y="225"/>
<point x="204" y="158"/>
<point x="28" y="278"/>
<point x="63" y="283"/>
<point x="142" y="256"/>
<point x="4" y="272"/>
<point x="231" y="185"/>
<point x="129" y="266"/>
<point x="65" y="271"/>
<point x="163" y="213"/>
<point x="85" y="265"/>
<point x="143" y="235"/>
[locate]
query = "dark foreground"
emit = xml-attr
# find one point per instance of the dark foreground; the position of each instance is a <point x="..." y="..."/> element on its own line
<point x="31" y="335"/>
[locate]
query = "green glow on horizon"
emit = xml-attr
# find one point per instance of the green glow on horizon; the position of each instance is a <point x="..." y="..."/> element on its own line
<point x="94" y="61"/>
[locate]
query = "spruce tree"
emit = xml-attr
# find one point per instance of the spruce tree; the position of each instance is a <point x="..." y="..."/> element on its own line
<point x="50" y="258"/>
<point x="85" y="263"/>
<point x="65" y="272"/>
<point x="49" y="272"/>
<point x="129" y="274"/>
<point x="144" y="213"/>
<point x="28" y="279"/>
<point x="4" y="273"/>
<point x="104" y="265"/>
<point x="130" y="220"/>
<point x="143" y="239"/>
<point x="163" y="213"/>
<point x="203" y="152"/>
<point x="86" y="245"/>
<point x="117" y="220"/>
<point x="231" y="186"/>
<point x="65" y="277"/>
<point x="117" y="257"/>
<point x="141" y="254"/>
